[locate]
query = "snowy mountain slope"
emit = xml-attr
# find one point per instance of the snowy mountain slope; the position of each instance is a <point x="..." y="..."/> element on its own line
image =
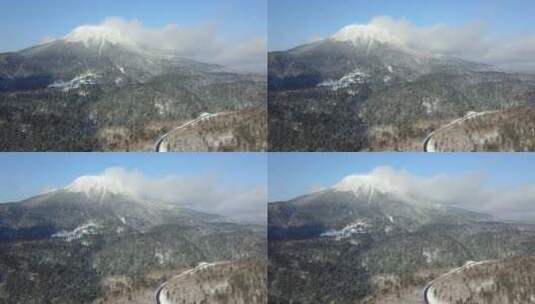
<point x="101" y="203"/>
<point x="382" y="93"/>
<point x="95" y="89"/>
<point x="360" y="203"/>
<point x="364" y="241"/>
<point x="76" y="242"/>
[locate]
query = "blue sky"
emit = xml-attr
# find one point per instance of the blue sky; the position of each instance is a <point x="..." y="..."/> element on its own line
<point x="294" y="174"/>
<point x="501" y="184"/>
<point x="25" y="174"/>
<point x="293" y="22"/>
<point x="25" y="22"/>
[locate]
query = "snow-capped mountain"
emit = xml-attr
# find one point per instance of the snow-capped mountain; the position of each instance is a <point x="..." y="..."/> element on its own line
<point x="105" y="51"/>
<point x="97" y="83"/>
<point x="373" y="90"/>
<point x="345" y="237"/>
<point x="366" y="184"/>
<point x="93" y="35"/>
<point x="362" y="230"/>
<point x="359" y="204"/>
<point x="102" y="204"/>
<point x="95" y="230"/>
<point x="366" y="34"/>
<point x="367" y="49"/>
<point x="98" y="185"/>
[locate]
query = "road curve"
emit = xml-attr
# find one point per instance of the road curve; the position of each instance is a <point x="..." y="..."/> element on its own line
<point x="444" y="276"/>
<point x="157" y="294"/>
<point x="160" y="143"/>
<point x="199" y="267"/>
<point x="428" y="139"/>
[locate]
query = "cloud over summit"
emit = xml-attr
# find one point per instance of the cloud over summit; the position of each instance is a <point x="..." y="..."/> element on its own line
<point x="199" y="192"/>
<point x="469" y="191"/>
<point x="204" y="42"/>
<point x="470" y="41"/>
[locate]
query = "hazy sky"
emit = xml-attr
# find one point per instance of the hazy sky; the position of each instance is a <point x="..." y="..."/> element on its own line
<point x="234" y="28"/>
<point x="232" y="184"/>
<point x="502" y="184"/>
<point x="500" y="32"/>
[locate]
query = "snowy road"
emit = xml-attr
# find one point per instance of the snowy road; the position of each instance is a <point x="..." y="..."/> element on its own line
<point x="162" y="144"/>
<point x="160" y="298"/>
<point x="429" y="297"/>
<point x="428" y="142"/>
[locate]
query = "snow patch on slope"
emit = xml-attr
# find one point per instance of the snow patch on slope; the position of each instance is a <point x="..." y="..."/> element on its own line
<point x="89" y="228"/>
<point x="355" y="77"/>
<point x="358" y="227"/>
<point x="87" y="78"/>
<point x="430" y="255"/>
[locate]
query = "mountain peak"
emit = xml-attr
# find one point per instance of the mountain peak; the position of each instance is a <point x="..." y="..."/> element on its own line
<point x="365" y="184"/>
<point x="386" y="181"/>
<point x="98" y="185"/>
<point x="366" y="34"/>
<point x="98" y="35"/>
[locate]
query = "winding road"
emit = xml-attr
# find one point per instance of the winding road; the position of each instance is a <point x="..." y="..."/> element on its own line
<point x="201" y="266"/>
<point x="428" y="143"/>
<point x="429" y="299"/>
<point x="162" y="145"/>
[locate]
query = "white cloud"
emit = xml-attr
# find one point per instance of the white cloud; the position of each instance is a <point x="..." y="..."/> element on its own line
<point x="47" y="189"/>
<point x="317" y="188"/>
<point x="471" y="41"/>
<point x="314" y="38"/>
<point x="467" y="191"/>
<point x="46" y="39"/>
<point x="249" y="55"/>
<point x="202" y="193"/>
<point x="204" y="42"/>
